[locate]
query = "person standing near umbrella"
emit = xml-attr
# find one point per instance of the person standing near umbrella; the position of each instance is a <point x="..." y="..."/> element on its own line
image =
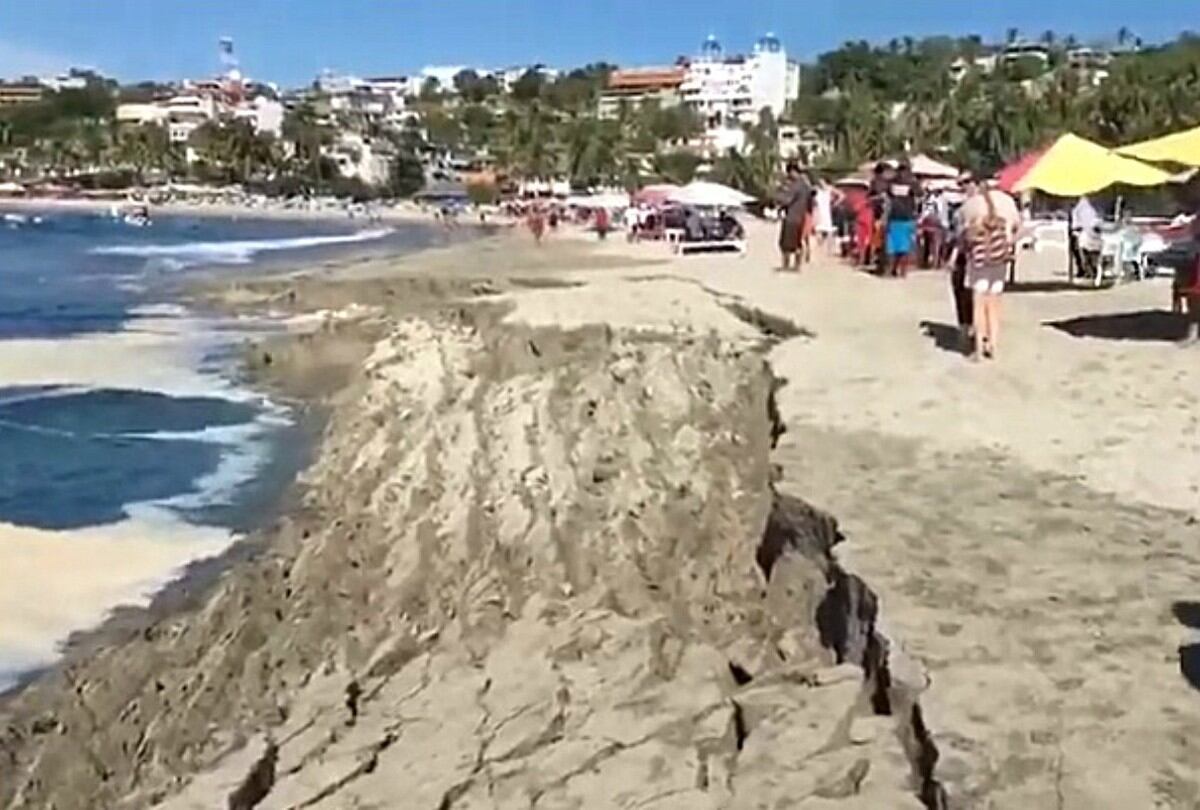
<point x="795" y="200"/>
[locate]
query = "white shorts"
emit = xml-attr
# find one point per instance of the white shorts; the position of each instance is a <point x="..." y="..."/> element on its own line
<point x="984" y="286"/>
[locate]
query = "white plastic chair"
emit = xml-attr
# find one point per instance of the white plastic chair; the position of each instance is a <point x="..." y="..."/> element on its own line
<point x="1108" y="262"/>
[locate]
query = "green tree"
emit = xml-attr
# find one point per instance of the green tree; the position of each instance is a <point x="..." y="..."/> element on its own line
<point x="483" y="193"/>
<point x="676" y="167"/>
<point x="442" y="128"/>
<point x="529" y="87"/>
<point x="234" y="151"/>
<point x="473" y="88"/>
<point x="143" y="148"/>
<point x="478" y="122"/>
<point x="308" y="135"/>
<point x="431" y="90"/>
<point x="528" y="145"/>
<point x="407" y="176"/>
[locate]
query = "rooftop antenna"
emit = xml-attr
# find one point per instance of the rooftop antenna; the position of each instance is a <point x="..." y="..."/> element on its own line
<point x="230" y="74"/>
<point x="229" y="61"/>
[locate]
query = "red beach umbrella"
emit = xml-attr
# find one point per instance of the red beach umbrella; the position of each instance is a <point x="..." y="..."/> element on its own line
<point x="1008" y="177"/>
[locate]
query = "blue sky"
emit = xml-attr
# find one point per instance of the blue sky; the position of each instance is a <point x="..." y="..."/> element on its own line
<point x="289" y="41"/>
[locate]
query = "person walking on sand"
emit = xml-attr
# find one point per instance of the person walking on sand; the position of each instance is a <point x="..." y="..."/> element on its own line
<point x="990" y="220"/>
<point x="794" y="200"/>
<point x="602" y="223"/>
<point x="825" y="199"/>
<point x="536" y="220"/>
<point x="959" y="259"/>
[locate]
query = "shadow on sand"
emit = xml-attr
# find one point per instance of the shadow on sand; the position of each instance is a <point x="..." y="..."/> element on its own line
<point x="1188" y="614"/>
<point x="945" y="336"/>
<point x="1018" y="287"/>
<point x="1148" y="325"/>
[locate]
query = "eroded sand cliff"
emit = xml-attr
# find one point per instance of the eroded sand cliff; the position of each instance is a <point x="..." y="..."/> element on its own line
<point x="533" y="566"/>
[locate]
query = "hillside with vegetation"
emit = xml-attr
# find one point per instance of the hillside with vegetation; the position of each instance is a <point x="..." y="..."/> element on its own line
<point x="879" y="100"/>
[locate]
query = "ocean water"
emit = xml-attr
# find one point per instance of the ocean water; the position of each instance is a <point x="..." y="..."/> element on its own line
<point x="127" y="449"/>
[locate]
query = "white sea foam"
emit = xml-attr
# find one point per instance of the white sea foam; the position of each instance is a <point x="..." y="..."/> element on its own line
<point x="182" y="255"/>
<point x="159" y="350"/>
<point x="56" y="582"/>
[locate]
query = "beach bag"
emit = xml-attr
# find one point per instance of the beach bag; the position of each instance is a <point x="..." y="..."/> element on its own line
<point x="990" y="245"/>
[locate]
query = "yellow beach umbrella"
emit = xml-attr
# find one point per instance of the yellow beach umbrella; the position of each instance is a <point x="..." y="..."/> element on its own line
<point x="1179" y="147"/>
<point x="1075" y="166"/>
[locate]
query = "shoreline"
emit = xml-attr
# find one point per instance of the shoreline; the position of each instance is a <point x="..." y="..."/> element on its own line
<point x="166" y="344"/>
<point x="406" y="213"/>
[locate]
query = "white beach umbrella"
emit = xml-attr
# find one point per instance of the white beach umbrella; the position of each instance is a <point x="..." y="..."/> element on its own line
<point x="708" y="194"/>
<point x="607" y="200"/>
<point x="925" y="166"/>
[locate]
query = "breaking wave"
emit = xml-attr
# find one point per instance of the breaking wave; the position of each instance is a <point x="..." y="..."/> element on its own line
<point x="235" y="252"/>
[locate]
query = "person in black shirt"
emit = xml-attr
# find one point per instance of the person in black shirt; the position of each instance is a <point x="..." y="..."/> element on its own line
<point x="877" y="196"/>
<point x="904" y="200"/>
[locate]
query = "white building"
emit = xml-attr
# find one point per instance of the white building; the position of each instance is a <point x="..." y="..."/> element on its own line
<point x="1091" y="65"/>
<point x="183" y="114"/>
<point x="443" y="75"/>
<point x="383" y="100"/>
<point x="264" y="114"/>
<point x="728" y="91"/>
<point x="64" y="81"/>
<point x="807" y="144"/>
<point x="962" y="65"/>
<point x="510" y="76"/>
<point x="354" y="157"/>
<point x="140" y="114"/>
<point x="187" y="113"/>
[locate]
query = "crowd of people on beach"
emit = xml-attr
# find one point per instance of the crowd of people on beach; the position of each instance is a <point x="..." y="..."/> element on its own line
<point x="977" y="236"/>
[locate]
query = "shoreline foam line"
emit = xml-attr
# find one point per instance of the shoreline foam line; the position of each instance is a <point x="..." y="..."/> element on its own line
<point x="234" y="252"/>
<point x="55" y="583"/>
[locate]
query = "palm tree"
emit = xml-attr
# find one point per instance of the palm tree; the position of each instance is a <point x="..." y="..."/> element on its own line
<point x="303" y="128"/>
<point x="142" y="148"/>
<point x="529" y="144"/>
<point x="677" y="167"/>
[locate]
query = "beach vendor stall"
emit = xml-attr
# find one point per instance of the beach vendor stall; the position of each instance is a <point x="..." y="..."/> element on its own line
<point x="1075" y="167"/>
<point x="708" y="225"/>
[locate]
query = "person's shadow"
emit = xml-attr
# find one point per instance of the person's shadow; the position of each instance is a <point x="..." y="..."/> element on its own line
<point x="1144" y="325"/>
<point x="946" y="337"/>
<point x="1188" y="614"/>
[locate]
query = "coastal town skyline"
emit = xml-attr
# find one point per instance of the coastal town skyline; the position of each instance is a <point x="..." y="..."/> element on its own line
<point x="358" y="37"/>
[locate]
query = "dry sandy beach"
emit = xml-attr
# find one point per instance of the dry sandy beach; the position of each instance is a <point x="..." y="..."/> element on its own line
<point x="570" y="541"/>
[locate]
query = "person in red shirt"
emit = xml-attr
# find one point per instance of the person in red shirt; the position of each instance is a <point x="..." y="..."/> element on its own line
<point x="602" y="223"/>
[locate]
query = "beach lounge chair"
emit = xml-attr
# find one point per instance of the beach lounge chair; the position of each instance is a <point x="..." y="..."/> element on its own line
<point x="687" y="247"/>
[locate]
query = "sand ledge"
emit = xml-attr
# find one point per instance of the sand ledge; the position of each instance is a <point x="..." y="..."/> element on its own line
<point x="507" y="485"/>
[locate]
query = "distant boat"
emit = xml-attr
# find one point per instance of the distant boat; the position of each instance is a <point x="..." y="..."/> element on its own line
<point x="137" y="217"/>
